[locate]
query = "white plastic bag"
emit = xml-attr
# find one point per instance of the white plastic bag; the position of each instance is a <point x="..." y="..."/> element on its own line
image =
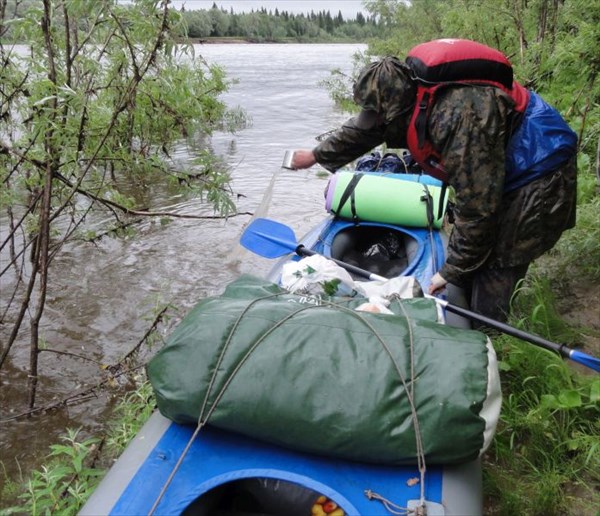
<point x="317" y="275"/>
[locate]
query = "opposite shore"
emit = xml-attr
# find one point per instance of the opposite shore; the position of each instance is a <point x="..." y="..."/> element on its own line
<point x="238" y="40"/>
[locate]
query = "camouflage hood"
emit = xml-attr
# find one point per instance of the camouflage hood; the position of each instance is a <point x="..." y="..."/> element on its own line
<point x="386" y="88"/>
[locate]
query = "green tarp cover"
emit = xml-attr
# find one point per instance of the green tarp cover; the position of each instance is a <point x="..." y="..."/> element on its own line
<point x="320" y="377"/>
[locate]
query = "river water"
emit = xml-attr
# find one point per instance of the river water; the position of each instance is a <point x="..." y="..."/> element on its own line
<point x="103" y="296"/>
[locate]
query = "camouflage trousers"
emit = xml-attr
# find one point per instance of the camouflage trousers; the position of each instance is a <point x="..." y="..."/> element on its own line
<point x="491" y="290"/>
<point x="533" y="219"/>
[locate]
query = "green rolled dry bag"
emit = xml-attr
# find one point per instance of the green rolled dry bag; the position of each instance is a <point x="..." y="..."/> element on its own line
<point x="388" y="198"/>
<point x="315" y="375"/>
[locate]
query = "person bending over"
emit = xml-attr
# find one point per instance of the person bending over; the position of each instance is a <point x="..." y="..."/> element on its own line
<point x="509" y="156"/>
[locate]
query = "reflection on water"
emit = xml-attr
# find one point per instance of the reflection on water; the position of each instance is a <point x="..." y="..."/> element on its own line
<point x="103" y="295"/>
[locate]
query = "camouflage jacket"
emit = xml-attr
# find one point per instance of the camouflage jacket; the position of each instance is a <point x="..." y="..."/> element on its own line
<point x="469" y="126"/>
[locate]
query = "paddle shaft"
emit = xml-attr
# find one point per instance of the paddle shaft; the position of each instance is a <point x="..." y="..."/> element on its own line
<point x="303" y="251"/>
<point x="474" y="316"/>
<point x="272" y="239"/>
<point x="562" y="349"/>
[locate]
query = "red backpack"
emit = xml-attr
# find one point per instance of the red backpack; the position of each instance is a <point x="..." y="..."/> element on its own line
<point x="444" y="62"/>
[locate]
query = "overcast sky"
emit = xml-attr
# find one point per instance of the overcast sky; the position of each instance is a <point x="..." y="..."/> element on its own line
<point x="349" y="8"/>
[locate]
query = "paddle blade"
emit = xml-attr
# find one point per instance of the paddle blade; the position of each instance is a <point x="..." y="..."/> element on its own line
<point x="584" y="359"/>
<point x="269" y="239"/>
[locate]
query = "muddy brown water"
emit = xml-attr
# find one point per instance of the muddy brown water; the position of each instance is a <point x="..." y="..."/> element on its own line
<point x="103" y="296"/>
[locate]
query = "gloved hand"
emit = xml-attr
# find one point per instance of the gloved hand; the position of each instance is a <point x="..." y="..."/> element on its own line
<point x="437" y="284"/>
<point x="303" y="158"/>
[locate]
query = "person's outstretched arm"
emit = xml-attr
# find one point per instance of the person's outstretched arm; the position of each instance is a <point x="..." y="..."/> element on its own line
<point x="343" y="146"/>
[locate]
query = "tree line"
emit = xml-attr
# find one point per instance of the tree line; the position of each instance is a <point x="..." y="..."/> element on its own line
<point x="272" y="26"/>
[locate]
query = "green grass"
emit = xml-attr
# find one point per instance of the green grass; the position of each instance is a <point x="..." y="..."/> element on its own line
<point x="73" y="468"/>
<point x="131" y="413"/>
<point x="546" y="454"/>
<point x="62" y="485"/>
<point x="577" y="254"/>
<point x="545" y="459"/>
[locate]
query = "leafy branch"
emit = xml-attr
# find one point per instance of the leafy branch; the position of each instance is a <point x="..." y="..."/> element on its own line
<point x="96" y="102"/>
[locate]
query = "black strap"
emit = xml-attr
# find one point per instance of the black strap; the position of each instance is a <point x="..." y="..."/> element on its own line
<point x="441" y="202"/>
<point x="421" y="120"/>
<point x="349" y="194"/>
<point x="428" y="200"/>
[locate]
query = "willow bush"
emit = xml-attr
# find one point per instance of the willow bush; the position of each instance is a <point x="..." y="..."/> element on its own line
<point x="95" y="95"/>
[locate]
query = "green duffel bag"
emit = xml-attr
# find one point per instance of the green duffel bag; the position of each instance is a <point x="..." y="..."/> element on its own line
<point x="314" y="375"/>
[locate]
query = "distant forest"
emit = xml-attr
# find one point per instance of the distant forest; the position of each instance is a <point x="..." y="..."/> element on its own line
<point x="256" y="26"/>
<point x="274" y="26"/>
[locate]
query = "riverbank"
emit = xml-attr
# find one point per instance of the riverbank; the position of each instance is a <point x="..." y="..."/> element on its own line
<point x="238" y="41"/>
<point x="212" y="41"/>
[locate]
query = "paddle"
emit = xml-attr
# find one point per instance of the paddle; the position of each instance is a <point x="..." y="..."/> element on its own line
<point x="271" y="239"/>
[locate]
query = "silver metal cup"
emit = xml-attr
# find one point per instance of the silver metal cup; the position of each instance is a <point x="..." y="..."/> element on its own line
<point x="287" y="160"/>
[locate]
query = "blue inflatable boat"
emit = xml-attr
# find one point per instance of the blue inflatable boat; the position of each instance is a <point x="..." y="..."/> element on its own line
<point x="167" y="469"/>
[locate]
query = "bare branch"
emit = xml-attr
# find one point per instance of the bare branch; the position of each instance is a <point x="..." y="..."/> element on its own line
<point x="145" y="213"/>
<point x="72" y="398"/>
<point x="155" y="323"/>
<point x="69" y="354"/>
